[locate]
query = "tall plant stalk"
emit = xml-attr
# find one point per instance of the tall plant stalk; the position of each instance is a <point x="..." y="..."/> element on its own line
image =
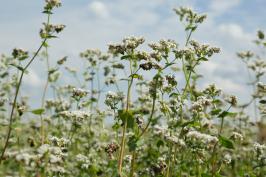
<point x="15" y="100"/>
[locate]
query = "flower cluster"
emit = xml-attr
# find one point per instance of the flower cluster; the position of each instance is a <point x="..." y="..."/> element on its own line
<point x="190" y="17"/>
<point x="50" y="5"/>
<point x="205" y="139"/>
<point x="77" y="117"/>
<point x="127" y="46"/>
<point x="112" y="99"/>
<point x="78" y="93"/>
<point x="201" y="103"/>
<point x="20" y="54"/>
<point x="111" y="148"/>
<point x="49" y="30"/>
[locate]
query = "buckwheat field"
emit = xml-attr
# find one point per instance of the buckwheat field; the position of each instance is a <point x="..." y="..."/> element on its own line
<point x="135" y="109"/>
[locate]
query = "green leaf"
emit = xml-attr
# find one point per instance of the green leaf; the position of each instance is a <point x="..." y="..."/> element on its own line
<point x="159" y="143"/>
<point x="206" y="175"/>
<point x="17" y="66"/>
<point x="225" y="142"/>
<point x="51" y="36"/>
<point x="215" y="111"/>
<point x="125" y="57"/>
<point x="203" y="59"/>
<point x="133" y="143"/>
<point x="136" y="76"/>
<point x="226" y="113"/>
<point x="173" y="94"/>
<point x="38" y="111"/>
<point x="116" y="126"/>
<point x="127" y="116"/>
<point x="191" y="124"/>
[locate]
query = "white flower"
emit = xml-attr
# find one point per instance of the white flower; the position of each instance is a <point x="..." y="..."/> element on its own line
<point x="158" y="130"/>
<point x="227" y="158"/>
<point x="112" y="99"/>
<point x="25" y="157"/>
<point x="175" y="140"/>
<point x="55" y="159"/>
<point x="53" y="3"/>
<point x="59" y="141"/>
<point x="237" y="136"/>
<point x="201" y="103"/>
<point x="78" y="93"/>
<point x="75" y="116"/>
<point x="83" y="160"/>
<point x="43" y="149"/>
<point x="203" y="138"/>
<point x="259" y="148"/>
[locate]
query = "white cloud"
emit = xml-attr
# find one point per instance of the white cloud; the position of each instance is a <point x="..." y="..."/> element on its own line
<point x="32" y="79"/>
<point x="221" y="6"/>
<point x="235" y="31"/>
<point x="99" y="9"/>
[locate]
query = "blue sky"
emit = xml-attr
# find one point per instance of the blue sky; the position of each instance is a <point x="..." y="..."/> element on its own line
<point x="231" y="25"/>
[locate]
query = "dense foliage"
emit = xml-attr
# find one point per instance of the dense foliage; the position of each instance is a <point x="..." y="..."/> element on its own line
<point x="150" y="124"/>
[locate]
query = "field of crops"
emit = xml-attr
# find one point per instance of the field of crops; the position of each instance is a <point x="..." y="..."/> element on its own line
<point x="130" y="115"/>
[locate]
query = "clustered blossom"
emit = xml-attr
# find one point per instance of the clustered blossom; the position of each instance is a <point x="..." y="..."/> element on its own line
<point x="237" y="136"/>
<point x="175" y="140"/>
<point x="212" y="90"/>
<point x="201" y="103"/>
<point x="159" y="130"/>
<point x="227" y="158"/>
<point x="259" y="148"/>
<point x="112" y="99"/>
<point x="110" y="80"/>
<point x="159" y="167"/>
<point x="59" y="105"/>
<point x="61" y="142"/>
<point x="261" y="90"/>
<point x="48" y="30"/>
<point x="78" y="93"/>
<point x="55" y="155"/>
<point x="20" y="54"/>
<point x="94" y="55"/>
<point x="169" y="137"/>
<point x="22" y="156"/>
<point x="232" y="100"/>
<point x="203" y="50"/>
<point x="246" y="55"/>
<point x="162" y="48"/>
<point x="189" y="16"/>
<point x="77" y="117"/>
<point x="50" y="4"/>
<point x="128" y="45"/>
<point x="205" y="139"/>
<point x="111" y="148"/>
<point x="83" y="161"/>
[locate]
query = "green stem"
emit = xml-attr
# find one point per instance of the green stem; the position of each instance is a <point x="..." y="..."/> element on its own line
<point x="169" y="161"/>
<point x="122" y="145"/>
<point x="45" y="87"/>
<point x="152" y="110"/>
<point x="132" y="170"/>
<point x="15" y="100"/>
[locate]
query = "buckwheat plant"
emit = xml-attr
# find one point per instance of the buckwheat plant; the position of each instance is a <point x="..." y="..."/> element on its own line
<point x="21" y="55"/>
<point x="133" y="110"/>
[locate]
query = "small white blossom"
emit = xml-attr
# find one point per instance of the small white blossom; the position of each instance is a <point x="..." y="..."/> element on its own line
<point x="237" y="136"/>
<point x="227" y="158"/>
<point x="203" y="138"/>
<point x="259" y="148"/>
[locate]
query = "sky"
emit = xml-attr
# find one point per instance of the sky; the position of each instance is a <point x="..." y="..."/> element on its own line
<point x="231" y="25"/>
